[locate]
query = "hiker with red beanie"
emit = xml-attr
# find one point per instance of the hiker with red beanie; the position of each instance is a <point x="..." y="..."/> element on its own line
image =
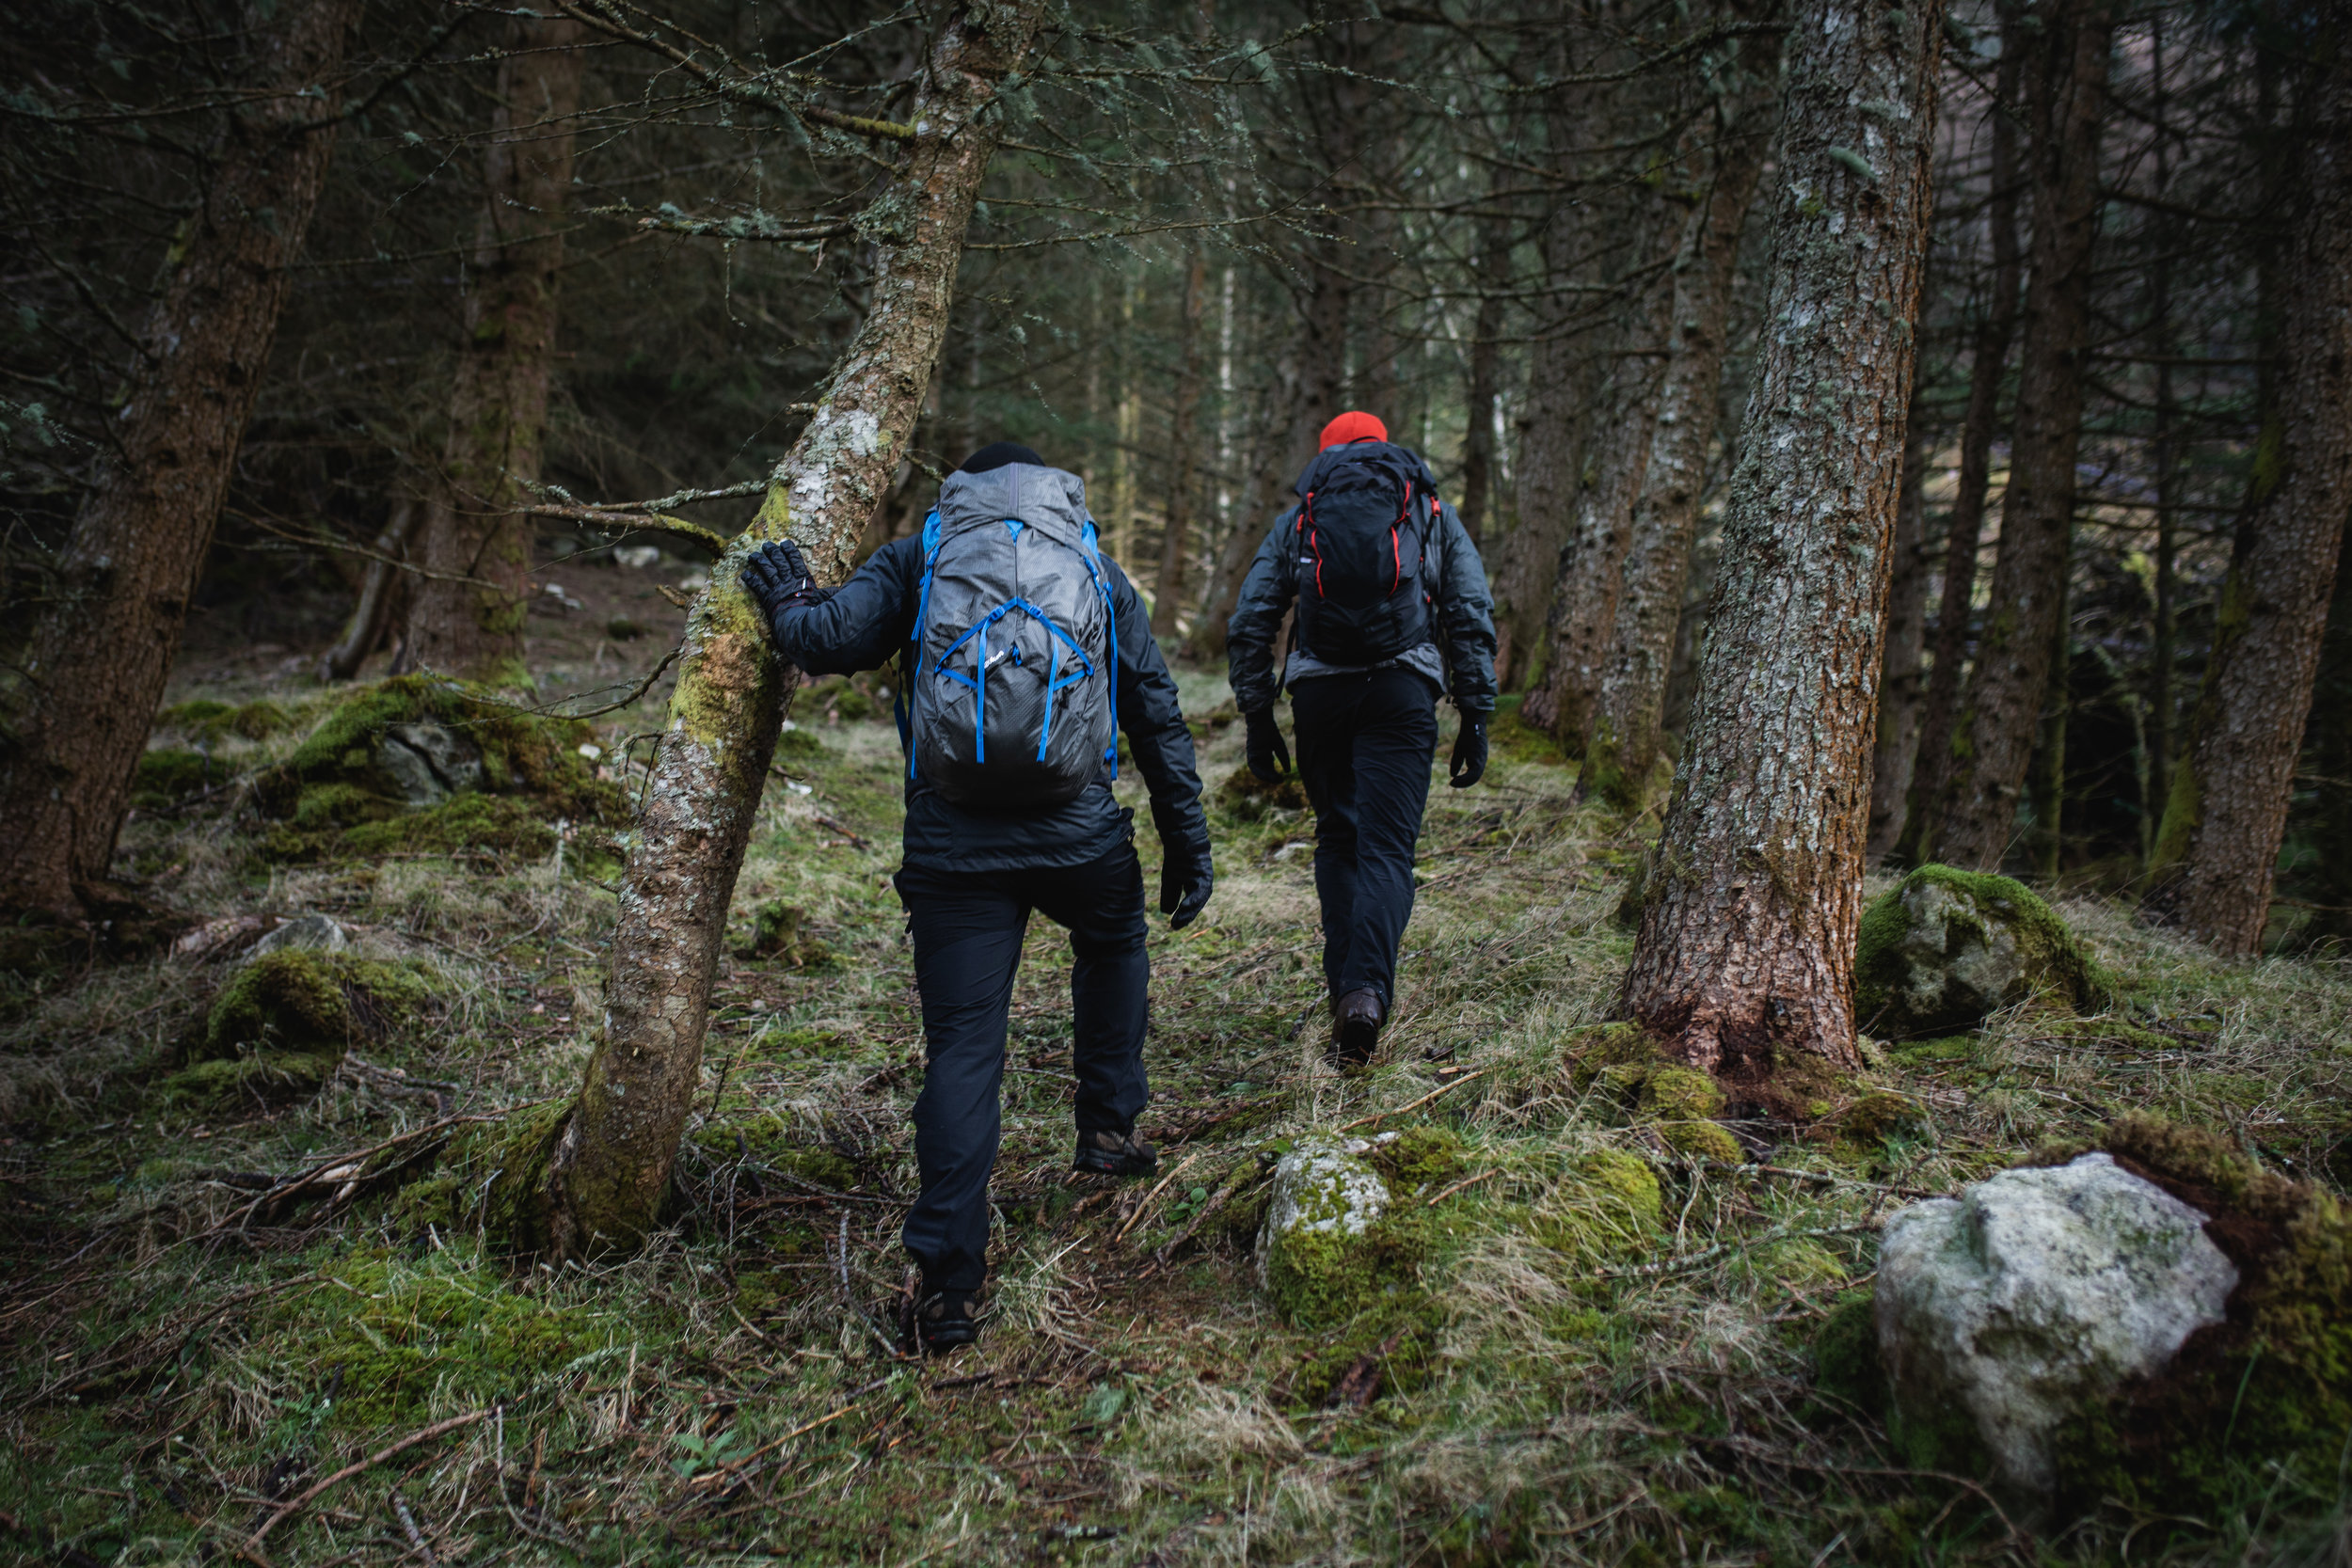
<point x="1393" y="613"/>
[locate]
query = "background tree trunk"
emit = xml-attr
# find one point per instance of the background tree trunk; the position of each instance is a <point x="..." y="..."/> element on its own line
<point x="466" y="618"/>
<point x="1898" y="671"/>
<point x="2331" y="760"/>
<point x="1939" y="708"/>
<point x="1626" y="733"/>
<point x="2227" y="809"/>
<point x="1183" y="468"/>
<point x="377" y="585"/>
<point x="1485" y="373"/>
<point x="1995" y="736"/>
<point x="611" y="1163"/>
<point x="81" y="707"/>
<point x="1744" y="963"/>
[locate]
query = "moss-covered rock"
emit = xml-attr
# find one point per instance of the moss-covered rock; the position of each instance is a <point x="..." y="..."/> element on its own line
<point x="230" y="1084"/>
<point x="778" y="930"/>
<point x="1868" y="1122"/>
<point x="304" y="1001"/>
<point x="418" y="766"/>
<point x="1248" y="797"/>
<point x="1415" y="1157"/>
<point x="1334" y="1247"/>
<point x="2264" y="1394"/>
<point x="1948" y="948"/>
<point x="167" y="776"/>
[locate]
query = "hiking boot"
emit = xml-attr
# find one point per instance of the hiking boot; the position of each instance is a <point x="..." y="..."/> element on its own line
<point x="1115" y="1154"/>
<point x="947" y="1319"/>
<point x="1356" y="1027"/>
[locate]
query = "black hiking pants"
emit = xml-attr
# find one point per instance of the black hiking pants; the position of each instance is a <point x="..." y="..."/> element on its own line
<point x="1364" y="744"/>
<point x="968" y="927"/>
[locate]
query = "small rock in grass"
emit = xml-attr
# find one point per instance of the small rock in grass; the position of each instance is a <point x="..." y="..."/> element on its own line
<point x="2029" y="1300"/>
<point x="303" y="930"/>
<point x="1332" y="1245"/>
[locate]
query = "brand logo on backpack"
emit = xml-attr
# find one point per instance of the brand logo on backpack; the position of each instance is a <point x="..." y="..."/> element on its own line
<point x="1362" y="527"/>
<point x="1013" y="695"/>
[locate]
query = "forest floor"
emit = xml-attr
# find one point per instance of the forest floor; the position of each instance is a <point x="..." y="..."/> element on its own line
<point x="179" y="1367"/>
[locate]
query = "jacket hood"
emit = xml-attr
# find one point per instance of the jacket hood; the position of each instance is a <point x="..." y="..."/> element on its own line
<point x="1355" y="451"/>
<point x="1029" y="491"/>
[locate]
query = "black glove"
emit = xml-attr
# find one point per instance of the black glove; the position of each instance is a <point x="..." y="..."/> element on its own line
<point x="1269" y="756"/>
<point x="1470" y="749"/>
<point x="778" y="576"/>
<point x="1186" y="877"/>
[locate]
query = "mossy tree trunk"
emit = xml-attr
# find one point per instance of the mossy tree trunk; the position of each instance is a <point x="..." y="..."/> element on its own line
<point x="1744" y="963"/>
<point x="466" y="615"/>
<point x="2065" y="72"/>
<point x="2226" y="808"/>
<point x="1627" y="732"/>
<point x="1988" y="352"/>
<point x="610" y="1166"/>
<point x="77" y="714"/>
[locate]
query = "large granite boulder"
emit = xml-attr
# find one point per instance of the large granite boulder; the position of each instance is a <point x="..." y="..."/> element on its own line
<point x="2028" y="1302"/>
<point x="1948" y="948"/>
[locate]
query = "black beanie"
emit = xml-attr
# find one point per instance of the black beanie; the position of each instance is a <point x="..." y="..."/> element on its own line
<point x="998" y="455"/>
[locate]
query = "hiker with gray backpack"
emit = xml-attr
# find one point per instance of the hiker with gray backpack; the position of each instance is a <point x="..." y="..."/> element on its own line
<point x="1393" y="613"/>
<point x="1023" y="652"/>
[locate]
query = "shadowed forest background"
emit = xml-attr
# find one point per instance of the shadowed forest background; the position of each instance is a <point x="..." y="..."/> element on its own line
<point x="388" y="395"/>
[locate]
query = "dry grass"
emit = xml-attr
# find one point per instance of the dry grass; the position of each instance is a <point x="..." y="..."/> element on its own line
<point x="725" y="1396"/>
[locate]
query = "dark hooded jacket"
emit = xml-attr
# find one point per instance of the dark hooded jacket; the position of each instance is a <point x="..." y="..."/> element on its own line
<point x="870" y="619"/>
<point x="1460" y="657"/>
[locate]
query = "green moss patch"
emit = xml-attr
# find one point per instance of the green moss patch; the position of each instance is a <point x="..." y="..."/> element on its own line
<point x="399" y="1343"/>
<point x="491" y="1181"/>
<point x="1520" y="741"/>
<point x="1418" y="1158"/>
<point x="1623" y="1065"/>
<point x="240" y="1084"/>
<point x="208" y="719"/>
<point x="1608" y="1207"/>
<point x="1325" y="1279"/>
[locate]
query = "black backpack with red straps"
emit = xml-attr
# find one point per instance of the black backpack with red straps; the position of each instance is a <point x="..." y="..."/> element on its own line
<point x="1365" y="563"/>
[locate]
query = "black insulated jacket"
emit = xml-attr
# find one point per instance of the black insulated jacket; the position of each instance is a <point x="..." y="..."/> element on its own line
<point x="870" y="619"/>
<point x="1462" y="619"/>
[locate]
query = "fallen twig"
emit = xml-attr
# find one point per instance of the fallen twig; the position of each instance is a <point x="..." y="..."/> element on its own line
<point x="1415" y="1105"/>
<point x="1121" y="1234"/>
<point x="1708" y="1254"/>
<point x="286" y="1509"/>
<point x="1463" y="1185"/>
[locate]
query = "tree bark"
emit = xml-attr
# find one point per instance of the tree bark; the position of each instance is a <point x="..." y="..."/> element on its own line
<point x="1898" y="672"/>
<point x="1485" y="374"/>
<point x="1992" y="742"/>
<point x="1184" y="477"/>
<point x="466" y="618"/>
<point x="1626" y="734"/>
<point x="2226" y="812"/>
<point x="611" y="1163"/>
<point x="78" y="713"/>
<point x="2331" y="760"/>
<point x="1744" y="963"/>
<point x="1939" y="709"/>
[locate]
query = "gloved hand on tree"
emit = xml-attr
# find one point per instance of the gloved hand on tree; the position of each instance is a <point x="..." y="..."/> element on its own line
<point x="1269" y="754"/>
<point x="1470" y="749"/>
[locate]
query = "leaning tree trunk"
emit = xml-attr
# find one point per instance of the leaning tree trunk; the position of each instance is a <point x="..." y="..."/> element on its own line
<point x="1184" y="478"/>
<point x="81" y="707"/>
<point x="465" y="614"/>
<point x="1625" y="735"/>
<point x="1939" y="709"/>
<point x="1994" y="735"/>
<point x="611" y="1159"/>
<point x="2228" y="805"/>
<point x="1745" y="964"/>
<point x="1895" y="756"/>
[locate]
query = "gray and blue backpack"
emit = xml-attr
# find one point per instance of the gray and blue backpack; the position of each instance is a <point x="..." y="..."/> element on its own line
<point x="1012" y="695"/>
